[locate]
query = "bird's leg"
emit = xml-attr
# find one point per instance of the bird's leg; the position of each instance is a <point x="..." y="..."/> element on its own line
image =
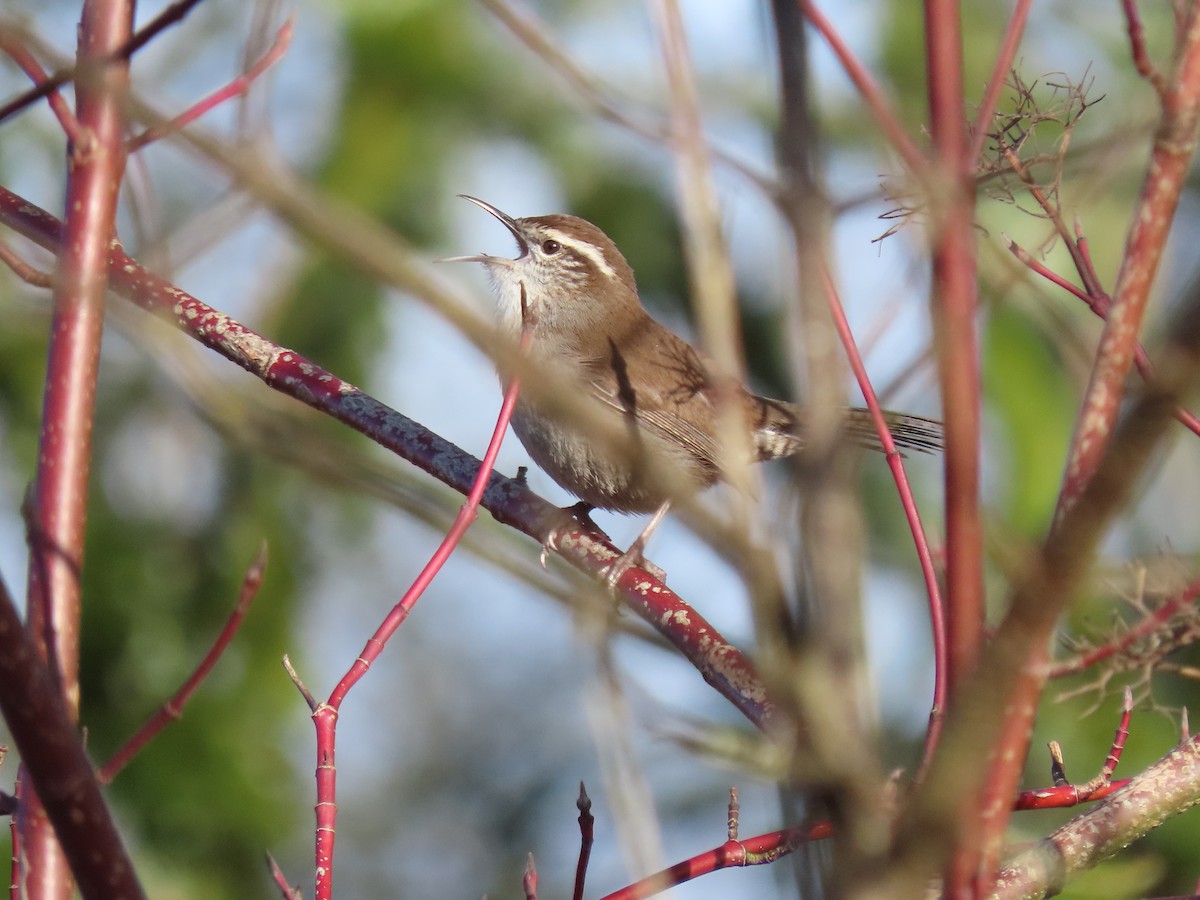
<point x="636" y="554"/>
<point x="579" y="513"/>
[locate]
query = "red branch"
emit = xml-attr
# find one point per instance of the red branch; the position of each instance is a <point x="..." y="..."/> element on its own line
<point x="172" y="710"/>
<point x="868" y="88"/>
<point x="995" y="84"/>
<point x="1145" y="627"/>
<point x="239" y="85"/>
<point x="954" y="304"/>
<point x="1098" y="788"/>
<point x="755" y="851"/>
<point x="326" y="714"/>
<point x="1137" y="48"/>
<point x="1100" y="304"/>
<point x="96" y="165"/>
<point x="10" y="43"/>
<point x="895" y="460"/>
<point x="286" y="890"/>
<point x="1166" y="172"/>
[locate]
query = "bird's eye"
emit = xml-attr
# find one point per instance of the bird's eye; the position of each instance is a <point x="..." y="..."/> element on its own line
<point x="551" y="247"/>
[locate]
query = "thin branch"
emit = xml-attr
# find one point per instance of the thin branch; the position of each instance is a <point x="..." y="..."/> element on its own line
<point x="172" y="710"/>
<point x="1137" y="48"/>
<point x="10" y="43"/>
<point x="325" y="716"/>
<point x="869" y="90"/>
<point x="239" y="85"/>
<point x="912" y="515"/>
<point x="995" y="84"/>
<point x="23" y="270"/>
<point x="755" y="851"/>
<point x="1100" y="305"/>
<point x="286" y="890"/>
<point x="586" y="839"/>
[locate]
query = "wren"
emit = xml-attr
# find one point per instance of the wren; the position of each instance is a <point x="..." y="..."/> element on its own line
<point x="589" y="328"/>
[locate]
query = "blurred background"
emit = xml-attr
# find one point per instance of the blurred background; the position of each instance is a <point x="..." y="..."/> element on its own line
<point x="463" y="749"/>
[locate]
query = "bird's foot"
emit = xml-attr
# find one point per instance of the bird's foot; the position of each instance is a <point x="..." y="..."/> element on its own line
<point x="570" y="516"/>
<point x="634" y="556"/>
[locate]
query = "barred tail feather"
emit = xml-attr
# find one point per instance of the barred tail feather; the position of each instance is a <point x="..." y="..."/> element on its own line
<point x="779" y="430"/>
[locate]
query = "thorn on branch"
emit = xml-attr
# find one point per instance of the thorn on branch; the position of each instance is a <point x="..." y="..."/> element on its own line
<point x="286" y="890"/>
<point x="304" y="692"/>
<point x="735" y="810"/>
<point x="530" y="879"/>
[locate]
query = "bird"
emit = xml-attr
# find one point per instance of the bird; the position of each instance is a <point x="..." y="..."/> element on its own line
<point x="574" y="290"/>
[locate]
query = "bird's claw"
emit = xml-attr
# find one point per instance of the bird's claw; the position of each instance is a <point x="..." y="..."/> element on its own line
<point x="634" y="556"/>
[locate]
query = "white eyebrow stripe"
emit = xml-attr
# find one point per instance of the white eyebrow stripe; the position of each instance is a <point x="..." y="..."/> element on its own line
<point x="583" y="249"/>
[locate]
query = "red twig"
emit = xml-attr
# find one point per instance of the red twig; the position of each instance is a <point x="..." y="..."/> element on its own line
<point x="586" y="838"/>
<point x="239" y="85"/>
<point x="1067" y="794"/>
<point x="911" y="513"/>
<point x="1146" y="626"/>
<point x="995" y="84"/>
<point x="326" y="714"/>
<point x="1046" y="272"/>
<point x="24" y="270"/>
<point x="173" y="708"/>
<point x="869" y="89"/>
<point x="18" y="53"/>
<point x="286" y="889"/>
<point x="1100" y="305"/>
<point x="755" y="851"/>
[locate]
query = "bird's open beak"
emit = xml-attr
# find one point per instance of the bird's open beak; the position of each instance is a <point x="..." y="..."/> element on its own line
<point x="509" y="222"/>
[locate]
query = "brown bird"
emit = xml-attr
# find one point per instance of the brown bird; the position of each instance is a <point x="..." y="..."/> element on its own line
<point x="589" y="328"/>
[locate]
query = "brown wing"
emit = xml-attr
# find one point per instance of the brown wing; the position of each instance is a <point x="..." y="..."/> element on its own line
<point x="658" y="380"/>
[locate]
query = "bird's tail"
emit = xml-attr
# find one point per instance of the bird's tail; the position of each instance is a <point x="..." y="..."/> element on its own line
<point x="779" y="430"/>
